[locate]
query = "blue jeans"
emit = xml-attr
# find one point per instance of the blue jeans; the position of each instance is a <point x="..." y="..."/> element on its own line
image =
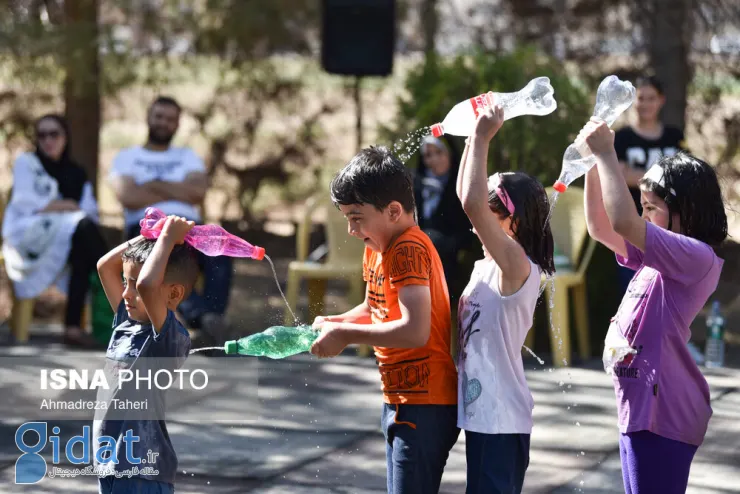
<point x="217" y="274"/>
<point x="496" y="462"/>
<point x="418" y="441"/>
<point x="133" y="485"/>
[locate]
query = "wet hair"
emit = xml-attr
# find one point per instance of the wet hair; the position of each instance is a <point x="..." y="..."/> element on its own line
<point x="376" y="177"/>
<point x="650" y="80"/>
<point x="698" y="200"/>
<point x="529" y="223"/>
<point x="182" y="266"/>
<point x="167" y="101"/>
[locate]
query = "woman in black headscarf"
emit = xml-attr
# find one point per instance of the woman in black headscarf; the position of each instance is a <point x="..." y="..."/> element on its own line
<point x="440" y="214"/>
<point x="51" y="223"/>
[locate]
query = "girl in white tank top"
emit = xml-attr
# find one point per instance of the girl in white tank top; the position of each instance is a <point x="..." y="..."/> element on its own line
<point x="508" y="212"/>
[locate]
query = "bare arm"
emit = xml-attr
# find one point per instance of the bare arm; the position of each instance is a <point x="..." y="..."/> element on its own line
<point x="597" y="221"/>
<point x="151" y="276"/>
<point x="134" y="196"/>
<point x="618" y="203"/>
<point x="59" y="205"/>
<point x="192" y="190"/>
<point x="458" y="185"/>
<point x="110" y="267"/>
<point x="410" y="331"/>
<point x="631" y="175"/>
<point x="506" y="251"/>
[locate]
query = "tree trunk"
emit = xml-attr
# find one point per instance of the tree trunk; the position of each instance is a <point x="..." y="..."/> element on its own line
<point x="82" y="83"/>
<point x="668" y="31"/>
<point x="430" y="24"/>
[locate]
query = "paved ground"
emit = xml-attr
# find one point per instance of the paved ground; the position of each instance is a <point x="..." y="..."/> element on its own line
<point x="313" y="427"/>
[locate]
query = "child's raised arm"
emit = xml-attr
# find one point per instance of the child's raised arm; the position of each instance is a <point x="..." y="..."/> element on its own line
<point x="152" y="272"/>
<point x="597" y="221"/>
<point x="110" y="267"/>
<point x="506" y="251"/>
<point x="461" y="169"/>
<point x="616" y="199"/>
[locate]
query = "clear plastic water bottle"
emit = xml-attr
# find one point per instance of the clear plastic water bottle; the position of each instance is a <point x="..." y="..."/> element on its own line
<point x="714" y="351"/>
<point x="612" y="99"/>
<point x="536" y="98"/>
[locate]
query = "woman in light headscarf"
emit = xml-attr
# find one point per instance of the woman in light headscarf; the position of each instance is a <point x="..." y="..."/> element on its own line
<point x="440" y="214"/>
<point x="50" y="224"/>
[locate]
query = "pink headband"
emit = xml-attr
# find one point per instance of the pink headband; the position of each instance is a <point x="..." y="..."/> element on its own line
<point x="495" y="182"/>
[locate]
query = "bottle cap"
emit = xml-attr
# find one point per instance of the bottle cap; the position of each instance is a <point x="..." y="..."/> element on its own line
<point x="259" y="253"/>
<point x="437" y="130"/>
<point x="560" y="187"/>
<point x="230" y="347"/>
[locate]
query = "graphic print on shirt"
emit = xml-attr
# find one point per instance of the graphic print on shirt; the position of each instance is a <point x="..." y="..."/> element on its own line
<point x="376" y="294"/>
<point x="471" y="388"/>
<point x="158" y="169"/>
<point x="637" y="157"/>
<point x="634" y="301"/>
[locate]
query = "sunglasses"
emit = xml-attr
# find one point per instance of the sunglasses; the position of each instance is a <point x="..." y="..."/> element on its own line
<point x="54" y="134"/>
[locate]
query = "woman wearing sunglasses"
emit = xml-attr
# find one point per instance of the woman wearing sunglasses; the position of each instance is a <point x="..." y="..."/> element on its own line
<point x="50" y="231"/>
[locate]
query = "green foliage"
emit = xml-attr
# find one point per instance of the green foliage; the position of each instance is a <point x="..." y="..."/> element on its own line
<point x="529" y="143"/>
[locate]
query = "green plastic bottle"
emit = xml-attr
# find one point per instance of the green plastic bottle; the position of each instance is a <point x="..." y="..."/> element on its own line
<point x="275" y="342"/>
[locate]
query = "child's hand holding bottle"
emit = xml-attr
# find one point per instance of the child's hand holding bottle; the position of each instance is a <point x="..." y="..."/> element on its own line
<point x="490" y="120"/>
<point x="176" y="228"/>
<point x="597" y="136"/>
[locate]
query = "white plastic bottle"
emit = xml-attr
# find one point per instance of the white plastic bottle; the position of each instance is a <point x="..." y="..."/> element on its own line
<point x="612" y="99"/>
<point x="536" y="98"/>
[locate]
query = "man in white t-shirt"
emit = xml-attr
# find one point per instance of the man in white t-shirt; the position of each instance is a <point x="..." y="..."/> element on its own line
<point x="174" y="180"/>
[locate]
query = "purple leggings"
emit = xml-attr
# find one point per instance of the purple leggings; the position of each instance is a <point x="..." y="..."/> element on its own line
<point x="653" y="463"/>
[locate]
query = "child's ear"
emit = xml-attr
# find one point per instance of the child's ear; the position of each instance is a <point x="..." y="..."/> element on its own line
<point x="395" y="210"/>
<point x="176" y="293"/>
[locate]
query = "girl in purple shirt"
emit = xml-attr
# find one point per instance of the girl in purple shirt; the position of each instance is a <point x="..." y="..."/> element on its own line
<point x="662" y="397"/>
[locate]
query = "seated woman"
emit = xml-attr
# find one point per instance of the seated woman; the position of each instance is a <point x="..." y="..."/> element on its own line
<point x="441" y="215"/>
<point x="51" y="222"/>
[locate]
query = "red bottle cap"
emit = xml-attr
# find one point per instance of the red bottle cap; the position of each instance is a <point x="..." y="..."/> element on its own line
<point x="560" y="186"/>
<point x="259" y="253"/>
<point x="437" y="130"/>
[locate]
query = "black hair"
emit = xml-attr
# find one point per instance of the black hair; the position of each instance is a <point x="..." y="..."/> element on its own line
<point x="376" y="177"/>
<point x="166" y="100"/>
<point x="182" y="266"/>
<point x="698" y="200"/>
<point x="650" y="80"/>
<point x="529" y="222"/>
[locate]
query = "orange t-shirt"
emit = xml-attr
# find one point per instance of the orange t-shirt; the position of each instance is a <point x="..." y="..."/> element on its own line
<point x="417" y="376"/>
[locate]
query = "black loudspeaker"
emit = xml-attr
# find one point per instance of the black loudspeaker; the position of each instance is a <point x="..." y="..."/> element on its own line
<point x="358" y="37"/>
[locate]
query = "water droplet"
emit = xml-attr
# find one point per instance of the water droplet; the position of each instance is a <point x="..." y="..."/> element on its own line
<point x="578" y="424"/>
<point x="209" y="482"/>
<point x="561" y="384"/>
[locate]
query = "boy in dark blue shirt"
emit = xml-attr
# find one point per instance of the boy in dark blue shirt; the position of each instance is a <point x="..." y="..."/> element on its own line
<point x="157" y="276"/>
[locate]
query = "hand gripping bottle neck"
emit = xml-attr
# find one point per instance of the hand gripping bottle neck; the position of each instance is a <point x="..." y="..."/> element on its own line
<point x="536" y="98"/>
<point x="612" y="99"/>
<point x="211" y="240"/>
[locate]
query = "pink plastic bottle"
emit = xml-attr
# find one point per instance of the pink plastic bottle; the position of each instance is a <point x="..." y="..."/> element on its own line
<point x="212" y="240"/>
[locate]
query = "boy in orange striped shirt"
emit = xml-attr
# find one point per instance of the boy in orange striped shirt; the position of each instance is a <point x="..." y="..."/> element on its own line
<point x="405" y="316"/>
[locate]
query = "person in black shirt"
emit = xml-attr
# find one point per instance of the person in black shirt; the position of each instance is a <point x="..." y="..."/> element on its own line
<point x="641" y="145"/>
